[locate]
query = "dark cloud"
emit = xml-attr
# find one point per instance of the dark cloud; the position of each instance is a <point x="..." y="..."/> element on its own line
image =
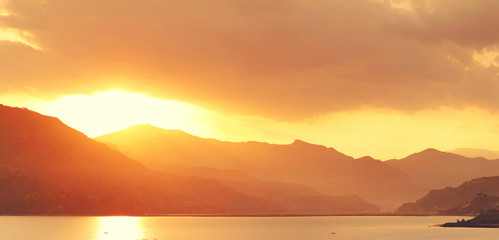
<point x="469" y="23"/>
<point x="277" y="58"/>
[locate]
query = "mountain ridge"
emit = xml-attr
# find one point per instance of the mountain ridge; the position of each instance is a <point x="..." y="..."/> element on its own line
<point x="280" y="174"/>
<point x="317" y="166"/>
<point x="47" y="167"/>
<point x="425" y="170"/>
<point x="436" y="169"/>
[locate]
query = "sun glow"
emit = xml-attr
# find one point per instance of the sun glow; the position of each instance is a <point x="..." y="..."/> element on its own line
<point x="379" y="133"/>
<point x="104" y="112"/>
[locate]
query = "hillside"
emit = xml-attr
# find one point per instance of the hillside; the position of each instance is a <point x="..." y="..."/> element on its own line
<point x="314" y="166"/>
<point x="470" y="197"/>
<point x="48" y="168"/>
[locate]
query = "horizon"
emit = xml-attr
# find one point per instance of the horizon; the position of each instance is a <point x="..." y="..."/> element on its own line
<point x="383" y="78"/>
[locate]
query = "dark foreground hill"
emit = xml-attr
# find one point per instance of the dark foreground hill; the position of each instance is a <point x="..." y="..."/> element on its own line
<point x="49" y="168"/>
<point x="471" y="197"/>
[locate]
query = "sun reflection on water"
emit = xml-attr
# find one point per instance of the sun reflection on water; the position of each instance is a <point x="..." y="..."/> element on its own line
<point x="120" y="228"/>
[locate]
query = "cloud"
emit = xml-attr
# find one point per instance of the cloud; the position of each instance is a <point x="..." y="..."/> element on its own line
<point x="468" y="23"/>
<point x="283" y="59"/>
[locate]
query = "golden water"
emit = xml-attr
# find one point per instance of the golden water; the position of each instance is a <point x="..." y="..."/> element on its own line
<point x="235" y="228"/>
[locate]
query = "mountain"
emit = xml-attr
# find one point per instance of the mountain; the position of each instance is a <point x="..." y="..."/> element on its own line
<point x="435" y="169"/>
<point x="314" y="166"/>
<point x="451" y="199"/>
<point x="47" y="167"/>
<point x="476" y="152"/>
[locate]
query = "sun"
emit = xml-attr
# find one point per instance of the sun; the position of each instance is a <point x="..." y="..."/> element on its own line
<point x="104" y="112"/>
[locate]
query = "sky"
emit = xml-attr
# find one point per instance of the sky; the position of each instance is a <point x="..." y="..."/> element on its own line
<point x="366" y="77"/>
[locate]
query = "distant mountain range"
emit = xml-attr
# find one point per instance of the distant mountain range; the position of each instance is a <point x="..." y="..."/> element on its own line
<point x="386" y="184"/>
<point x="47" y="167"/>
<point x="435" y="169"/>
<point x="315" y="166"/>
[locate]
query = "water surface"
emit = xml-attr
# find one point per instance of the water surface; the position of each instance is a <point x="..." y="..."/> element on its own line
<point x="235" y="228"/>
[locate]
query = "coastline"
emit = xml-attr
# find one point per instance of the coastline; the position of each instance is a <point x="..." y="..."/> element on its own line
<point x="238" y="215"/>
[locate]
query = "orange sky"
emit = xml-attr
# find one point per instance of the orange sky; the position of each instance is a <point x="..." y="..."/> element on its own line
<point x="368" y="77"/>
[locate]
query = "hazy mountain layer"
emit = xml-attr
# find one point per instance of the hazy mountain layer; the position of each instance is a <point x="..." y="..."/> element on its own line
<point x="476" y="152"/>
<point x="49" y="168"/>
<point x="315" y="166"/>
<point x="435" y="169"/>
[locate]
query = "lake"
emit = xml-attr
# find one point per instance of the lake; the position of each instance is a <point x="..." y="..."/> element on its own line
<point x="235" y="228"/>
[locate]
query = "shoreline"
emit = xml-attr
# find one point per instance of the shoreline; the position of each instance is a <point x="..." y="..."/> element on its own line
<point x="237" y="215"/>
<point x="470" y="226"/>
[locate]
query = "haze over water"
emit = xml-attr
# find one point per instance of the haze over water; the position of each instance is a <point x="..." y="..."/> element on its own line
<point x="241" y="228"/>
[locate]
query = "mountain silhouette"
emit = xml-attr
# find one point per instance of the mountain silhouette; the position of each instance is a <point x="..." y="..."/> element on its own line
<point x="301" y="163"/>
<point x="436" y="169"/>
<point x="47" y="167"/>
